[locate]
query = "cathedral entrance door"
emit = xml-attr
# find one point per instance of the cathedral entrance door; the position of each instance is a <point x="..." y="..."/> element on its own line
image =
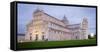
<point x="36" y="37"/>
<point x="42" y="37"/>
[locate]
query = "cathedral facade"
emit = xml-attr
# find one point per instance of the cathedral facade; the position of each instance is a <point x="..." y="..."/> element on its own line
<point x="46" y="27"/>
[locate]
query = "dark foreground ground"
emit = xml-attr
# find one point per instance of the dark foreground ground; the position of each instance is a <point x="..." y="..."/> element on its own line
<point x="49" y="44"/>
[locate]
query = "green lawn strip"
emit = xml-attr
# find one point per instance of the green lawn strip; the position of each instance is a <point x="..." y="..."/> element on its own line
<point x="43" y="44"/>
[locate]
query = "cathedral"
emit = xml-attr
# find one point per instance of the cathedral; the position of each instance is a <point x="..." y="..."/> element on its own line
<point x="44" y="27"/>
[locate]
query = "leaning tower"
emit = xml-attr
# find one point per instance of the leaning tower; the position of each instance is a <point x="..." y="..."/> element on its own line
<point x="84" y="28"/>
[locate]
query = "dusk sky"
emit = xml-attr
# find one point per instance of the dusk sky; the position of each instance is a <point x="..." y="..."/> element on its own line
<point x="73" y="14"/>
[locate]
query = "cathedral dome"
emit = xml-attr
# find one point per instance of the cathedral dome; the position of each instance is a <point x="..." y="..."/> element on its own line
<point x="65" y="20"/>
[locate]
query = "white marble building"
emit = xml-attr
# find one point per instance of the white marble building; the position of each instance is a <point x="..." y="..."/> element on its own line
<point x="46" y="27"/>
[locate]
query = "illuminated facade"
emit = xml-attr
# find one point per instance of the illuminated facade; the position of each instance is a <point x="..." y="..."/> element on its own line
<point x="45" y="27"/>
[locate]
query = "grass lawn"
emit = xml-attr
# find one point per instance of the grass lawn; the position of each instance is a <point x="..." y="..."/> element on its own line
<point x="48" y="44"/>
